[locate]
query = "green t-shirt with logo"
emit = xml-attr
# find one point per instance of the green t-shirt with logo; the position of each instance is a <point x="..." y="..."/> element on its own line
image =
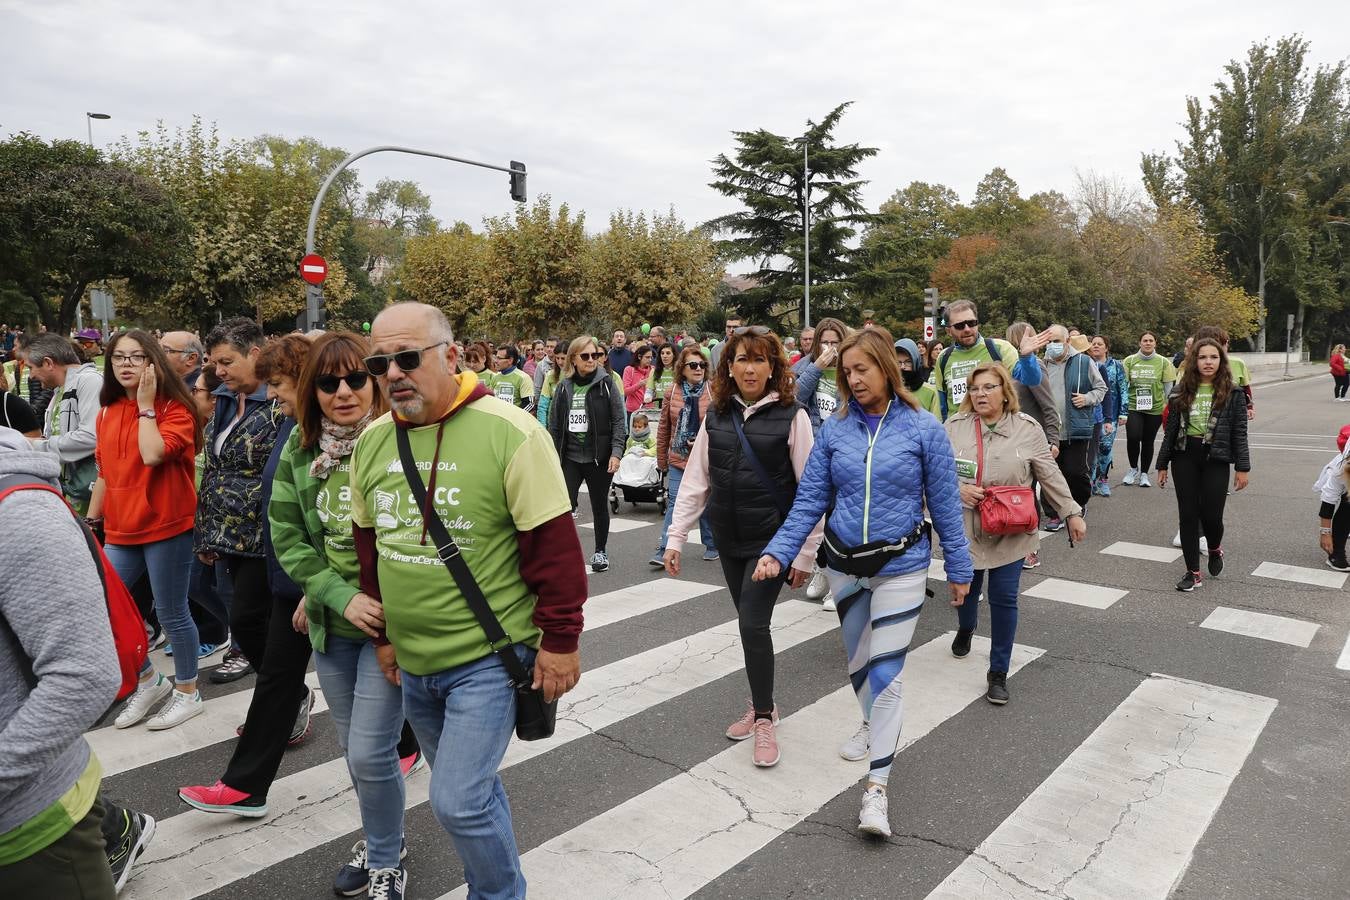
<point x="1241" y="375"/>
<point x="1200" y="409"/>
<point x="827" y="393"/>
<point x="1144" y="380"/>
<point x="510" y="387"/>
<point x="951" y="378"/>
<point x="657" y="388"/>
<point x="497" y="475"/>
<point x="928" y="399"/>
<point x="334" y="505"/>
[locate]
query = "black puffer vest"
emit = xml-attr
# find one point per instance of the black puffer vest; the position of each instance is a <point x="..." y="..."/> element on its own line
<point x="742" y="513"/>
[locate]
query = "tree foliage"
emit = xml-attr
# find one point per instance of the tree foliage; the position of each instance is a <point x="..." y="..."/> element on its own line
<point x="651" y="272"/>
<point x="767" y="178"/>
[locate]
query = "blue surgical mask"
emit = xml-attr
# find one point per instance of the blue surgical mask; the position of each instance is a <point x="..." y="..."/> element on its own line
<point x="1054" y="350"/>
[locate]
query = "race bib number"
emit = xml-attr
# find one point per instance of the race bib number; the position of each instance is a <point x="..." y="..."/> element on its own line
<point x="1143" y="401"/>
<point x="958" y="391"/>
<point x="957" y="378"/>
<point x="576" y="416"/>
<point x="507" y="392"/>
<point x="826" y="404"/>
<point x="965" y="468"/>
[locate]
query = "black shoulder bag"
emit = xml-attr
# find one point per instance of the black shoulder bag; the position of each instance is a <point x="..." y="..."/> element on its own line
<point x="535" y="718"/>
<point x="777" y="495"/>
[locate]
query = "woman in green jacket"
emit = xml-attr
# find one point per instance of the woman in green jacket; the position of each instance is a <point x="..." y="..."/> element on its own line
<point x="310" y="515"/>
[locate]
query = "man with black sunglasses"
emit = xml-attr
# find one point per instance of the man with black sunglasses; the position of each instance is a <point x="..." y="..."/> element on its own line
<point x="969" y="349"/>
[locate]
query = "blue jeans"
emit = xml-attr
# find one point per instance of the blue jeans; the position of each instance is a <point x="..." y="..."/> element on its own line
<point x="464" y="718"/>
<point x="368" y="713"/>
<point x="212" y="590"/>
<point x="1004" y="583"/>
<point x="169" y="563"/>
<point x="673" y="478"/>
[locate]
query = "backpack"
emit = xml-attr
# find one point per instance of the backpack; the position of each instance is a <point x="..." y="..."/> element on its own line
<point x="989" y="346"/>
<point x="128" y="628"/>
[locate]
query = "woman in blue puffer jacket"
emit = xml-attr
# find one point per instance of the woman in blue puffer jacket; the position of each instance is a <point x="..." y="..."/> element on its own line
<point x="876" y="461"/>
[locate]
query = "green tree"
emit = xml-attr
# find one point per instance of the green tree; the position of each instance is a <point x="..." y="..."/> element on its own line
<point x="534" y="270"/>
<point x="657" y="272"/>
<point x="1037" y="274"/>
<point x="69" y="219"/>
<point x="767" y="178"/>
<point x="913" y="229"/>
<point x="445" y="269"/>
<point x="998" y="207"/>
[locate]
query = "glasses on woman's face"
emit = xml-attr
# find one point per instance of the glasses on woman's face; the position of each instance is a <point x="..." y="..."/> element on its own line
<point x="129" y="359"/>
<point x="756" y="330"/>
<point x="590" y="357"/>
<point x="990" y="388"/>
<point x="696" y="365"/>
<point x="328" y="384"/>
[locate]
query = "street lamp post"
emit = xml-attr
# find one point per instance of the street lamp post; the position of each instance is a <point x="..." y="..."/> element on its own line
<point x="89" y="118"/>
<point x="806" y="230"/>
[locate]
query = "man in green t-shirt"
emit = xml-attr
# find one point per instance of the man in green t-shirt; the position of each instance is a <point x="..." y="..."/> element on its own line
<point x="510" y="384"/>
<point x="969" y="349"/>
<point x="492" y="477"/>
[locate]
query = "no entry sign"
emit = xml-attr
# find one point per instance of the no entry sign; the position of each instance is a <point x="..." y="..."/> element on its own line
<point x="313" y="269"/>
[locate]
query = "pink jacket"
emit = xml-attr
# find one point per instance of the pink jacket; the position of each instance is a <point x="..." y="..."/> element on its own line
<point x="635" y="386"/>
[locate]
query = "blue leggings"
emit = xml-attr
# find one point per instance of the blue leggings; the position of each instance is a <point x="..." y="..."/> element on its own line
<point x="877" y="616"/>
<point x="1004" y="583"/>
<point x="169" y="563"/>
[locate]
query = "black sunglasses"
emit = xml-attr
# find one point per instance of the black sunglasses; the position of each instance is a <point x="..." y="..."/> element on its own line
<point x="587" y="357"/>
<point x="407" y="360"/>
<point x="756" y="330"/>
<point x="695" y="365"/>
<point x="329" y="383"/>
<point x="968" y="323"/>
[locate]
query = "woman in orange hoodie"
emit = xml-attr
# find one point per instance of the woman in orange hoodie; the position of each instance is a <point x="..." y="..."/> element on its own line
<point x="146" y="498"/>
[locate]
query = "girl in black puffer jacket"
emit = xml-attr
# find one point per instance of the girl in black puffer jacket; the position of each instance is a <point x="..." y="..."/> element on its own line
<point x="1206" y="433"/>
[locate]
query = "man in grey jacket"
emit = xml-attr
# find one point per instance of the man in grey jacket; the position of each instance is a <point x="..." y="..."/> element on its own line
<point x="69" y="422"/>
<point x="58" y="674"/>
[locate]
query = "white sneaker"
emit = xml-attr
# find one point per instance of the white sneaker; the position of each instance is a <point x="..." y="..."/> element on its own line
<point x="856" y="747"/>
<point x="1204" y="543"/>
<point x="1131" y="476"/>
<point x="828" y="603"/>
<point x="874" y="818"/>
<point x="142" y="701"/>
<point x="818" y="586"/>
<point x="178" y="710"/>
<point x="1143" y="480"/>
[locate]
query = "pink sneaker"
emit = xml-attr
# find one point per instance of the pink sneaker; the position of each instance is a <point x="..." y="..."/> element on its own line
<point x="221" y="798"/>
<point x="744" y="727"/>
<point x="411" y="763"/>
<point x="766" y="744"/>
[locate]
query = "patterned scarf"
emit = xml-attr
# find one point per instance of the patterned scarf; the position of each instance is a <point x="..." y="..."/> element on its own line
<point x="687" y="427"/>
<point x="335" y="444"/>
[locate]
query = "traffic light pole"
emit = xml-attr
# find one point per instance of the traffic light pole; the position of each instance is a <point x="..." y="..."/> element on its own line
<point x="314" y="292"/>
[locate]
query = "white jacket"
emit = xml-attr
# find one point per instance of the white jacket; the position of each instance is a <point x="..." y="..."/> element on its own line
<point x="1330" y="484"/>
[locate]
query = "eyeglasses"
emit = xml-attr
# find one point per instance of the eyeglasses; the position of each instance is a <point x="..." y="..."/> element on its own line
<point x="696" y="365"/>
<point x="985" y="388"/>
<point x="329" y="383"/>
<point x="135" y="359"/>
<point x="407" y="360"/>
<point x="968" y="323"/>
<point x="588" y="357"/>
<point x="171" y="350"/>
<point x="756" y="330"/>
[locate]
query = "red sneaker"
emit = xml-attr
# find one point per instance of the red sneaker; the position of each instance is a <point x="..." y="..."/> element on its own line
<point x="411" y="763"/>
<point x="221" y="798"/>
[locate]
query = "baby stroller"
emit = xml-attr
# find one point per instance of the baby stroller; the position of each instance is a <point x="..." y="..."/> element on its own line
<point x="638" y="481"/>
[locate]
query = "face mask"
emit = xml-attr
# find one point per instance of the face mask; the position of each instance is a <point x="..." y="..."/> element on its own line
<point x="913" y="380"/>
<point x="1054" y="350"/>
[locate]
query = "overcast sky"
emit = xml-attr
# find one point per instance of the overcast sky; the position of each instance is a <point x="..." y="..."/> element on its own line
<point x="622" y="105"/>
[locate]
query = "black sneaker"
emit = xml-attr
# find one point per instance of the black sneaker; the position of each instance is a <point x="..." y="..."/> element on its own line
<point x="961" y="643"/>
<point x="388" y="884"/>
<point x="1216" y="561"/>
<point x="233" y="667"/>
<point x="1190" y="582"/>
<point x="136" y="835"/>
<point x="998" y="688"/>
<point x="300" y="730"/>
<point x="1338" y="563"/>
<point x="354" y="878"/>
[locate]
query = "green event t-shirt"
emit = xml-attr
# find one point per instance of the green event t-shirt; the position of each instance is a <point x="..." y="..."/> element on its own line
<point x="827" y="393"/>
<point x="657" y="389"/>
<point x="928" y="399"/>
<point x="1200" y="408"/>
<point x="1241" y="376"/>
<point x="578" y="419"/>
<point x="964" y="360"/>
<point x="497" y="475"/>
<point x="334" y="505"/>
<point x="1144" y="377"/>
<point x="511" y="387"/>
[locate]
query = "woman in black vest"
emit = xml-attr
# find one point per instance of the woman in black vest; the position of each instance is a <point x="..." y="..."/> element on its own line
<point x="747" y="495"/>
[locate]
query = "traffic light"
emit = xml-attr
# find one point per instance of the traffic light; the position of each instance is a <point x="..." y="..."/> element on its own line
<point x="518" y="181"/>
<point x="930" y="304"/>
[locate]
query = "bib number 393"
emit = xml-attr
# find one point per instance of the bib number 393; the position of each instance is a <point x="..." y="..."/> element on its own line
<point x="958" y="390"/>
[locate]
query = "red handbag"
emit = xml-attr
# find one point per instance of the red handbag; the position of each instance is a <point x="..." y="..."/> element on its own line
<point x="1006" y="508"/>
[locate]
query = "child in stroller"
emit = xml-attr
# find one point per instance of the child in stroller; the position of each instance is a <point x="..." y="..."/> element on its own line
<point x="638" y="480"/>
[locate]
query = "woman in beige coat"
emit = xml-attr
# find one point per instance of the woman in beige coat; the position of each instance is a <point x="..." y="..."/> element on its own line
<point x="1015" y="453"/>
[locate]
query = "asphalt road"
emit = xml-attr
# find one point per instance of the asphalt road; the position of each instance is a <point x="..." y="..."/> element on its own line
<point x="1143" y="753"/>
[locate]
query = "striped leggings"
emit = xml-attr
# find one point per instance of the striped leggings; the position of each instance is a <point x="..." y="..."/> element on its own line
<point x="878" y="616"/>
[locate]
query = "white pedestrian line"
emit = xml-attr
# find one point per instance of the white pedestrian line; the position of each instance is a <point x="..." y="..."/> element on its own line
<point x="1121" y="816"/>
<point x="1093" y="595"/>
<point x="619" y="526"/>
<point x="675" y="838"/>
<point x="1343" y="661"/>
<point x="1143" y="551"/>
<point x="196" y="852"/>
<point x="121" y="750"/>
<point x="1301" y="574"/>
<point x="1261" y="625"/>
<point x="640" y="599"/>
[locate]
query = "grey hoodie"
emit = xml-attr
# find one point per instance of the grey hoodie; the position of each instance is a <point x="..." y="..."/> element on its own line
<point x="58" y="665"/>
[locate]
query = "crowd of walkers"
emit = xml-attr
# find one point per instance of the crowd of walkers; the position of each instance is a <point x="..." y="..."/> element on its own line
<point x="390" y="506"/>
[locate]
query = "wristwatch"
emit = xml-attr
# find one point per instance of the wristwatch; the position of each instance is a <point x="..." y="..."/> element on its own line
<point x="146" y="414"/>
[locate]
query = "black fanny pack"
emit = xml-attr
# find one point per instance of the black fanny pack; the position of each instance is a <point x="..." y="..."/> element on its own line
<point x="866" y="560"/>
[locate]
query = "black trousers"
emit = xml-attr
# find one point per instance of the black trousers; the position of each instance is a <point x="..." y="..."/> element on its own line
<point x="754" y="602"/>
<point x="1340" y="527"/>
<point x="1073" y="464"/>
<point x="597" y="478"/>
<point x="1201" y="486"/>
<point x="1141" y="430"/>
<point x="279" y="655"/>
<point x="1342" y="383"/>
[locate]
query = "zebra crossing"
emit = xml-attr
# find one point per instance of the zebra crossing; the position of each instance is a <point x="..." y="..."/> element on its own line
<point x="659" y="805"/>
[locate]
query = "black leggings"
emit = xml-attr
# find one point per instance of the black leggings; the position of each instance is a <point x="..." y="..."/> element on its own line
<point x="1141" y="429"/>
<point x="754" y="607"/>
<point x="1342" y="382"/>
<point x="597" y="478"/>
<point x="1202" y="490"/>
